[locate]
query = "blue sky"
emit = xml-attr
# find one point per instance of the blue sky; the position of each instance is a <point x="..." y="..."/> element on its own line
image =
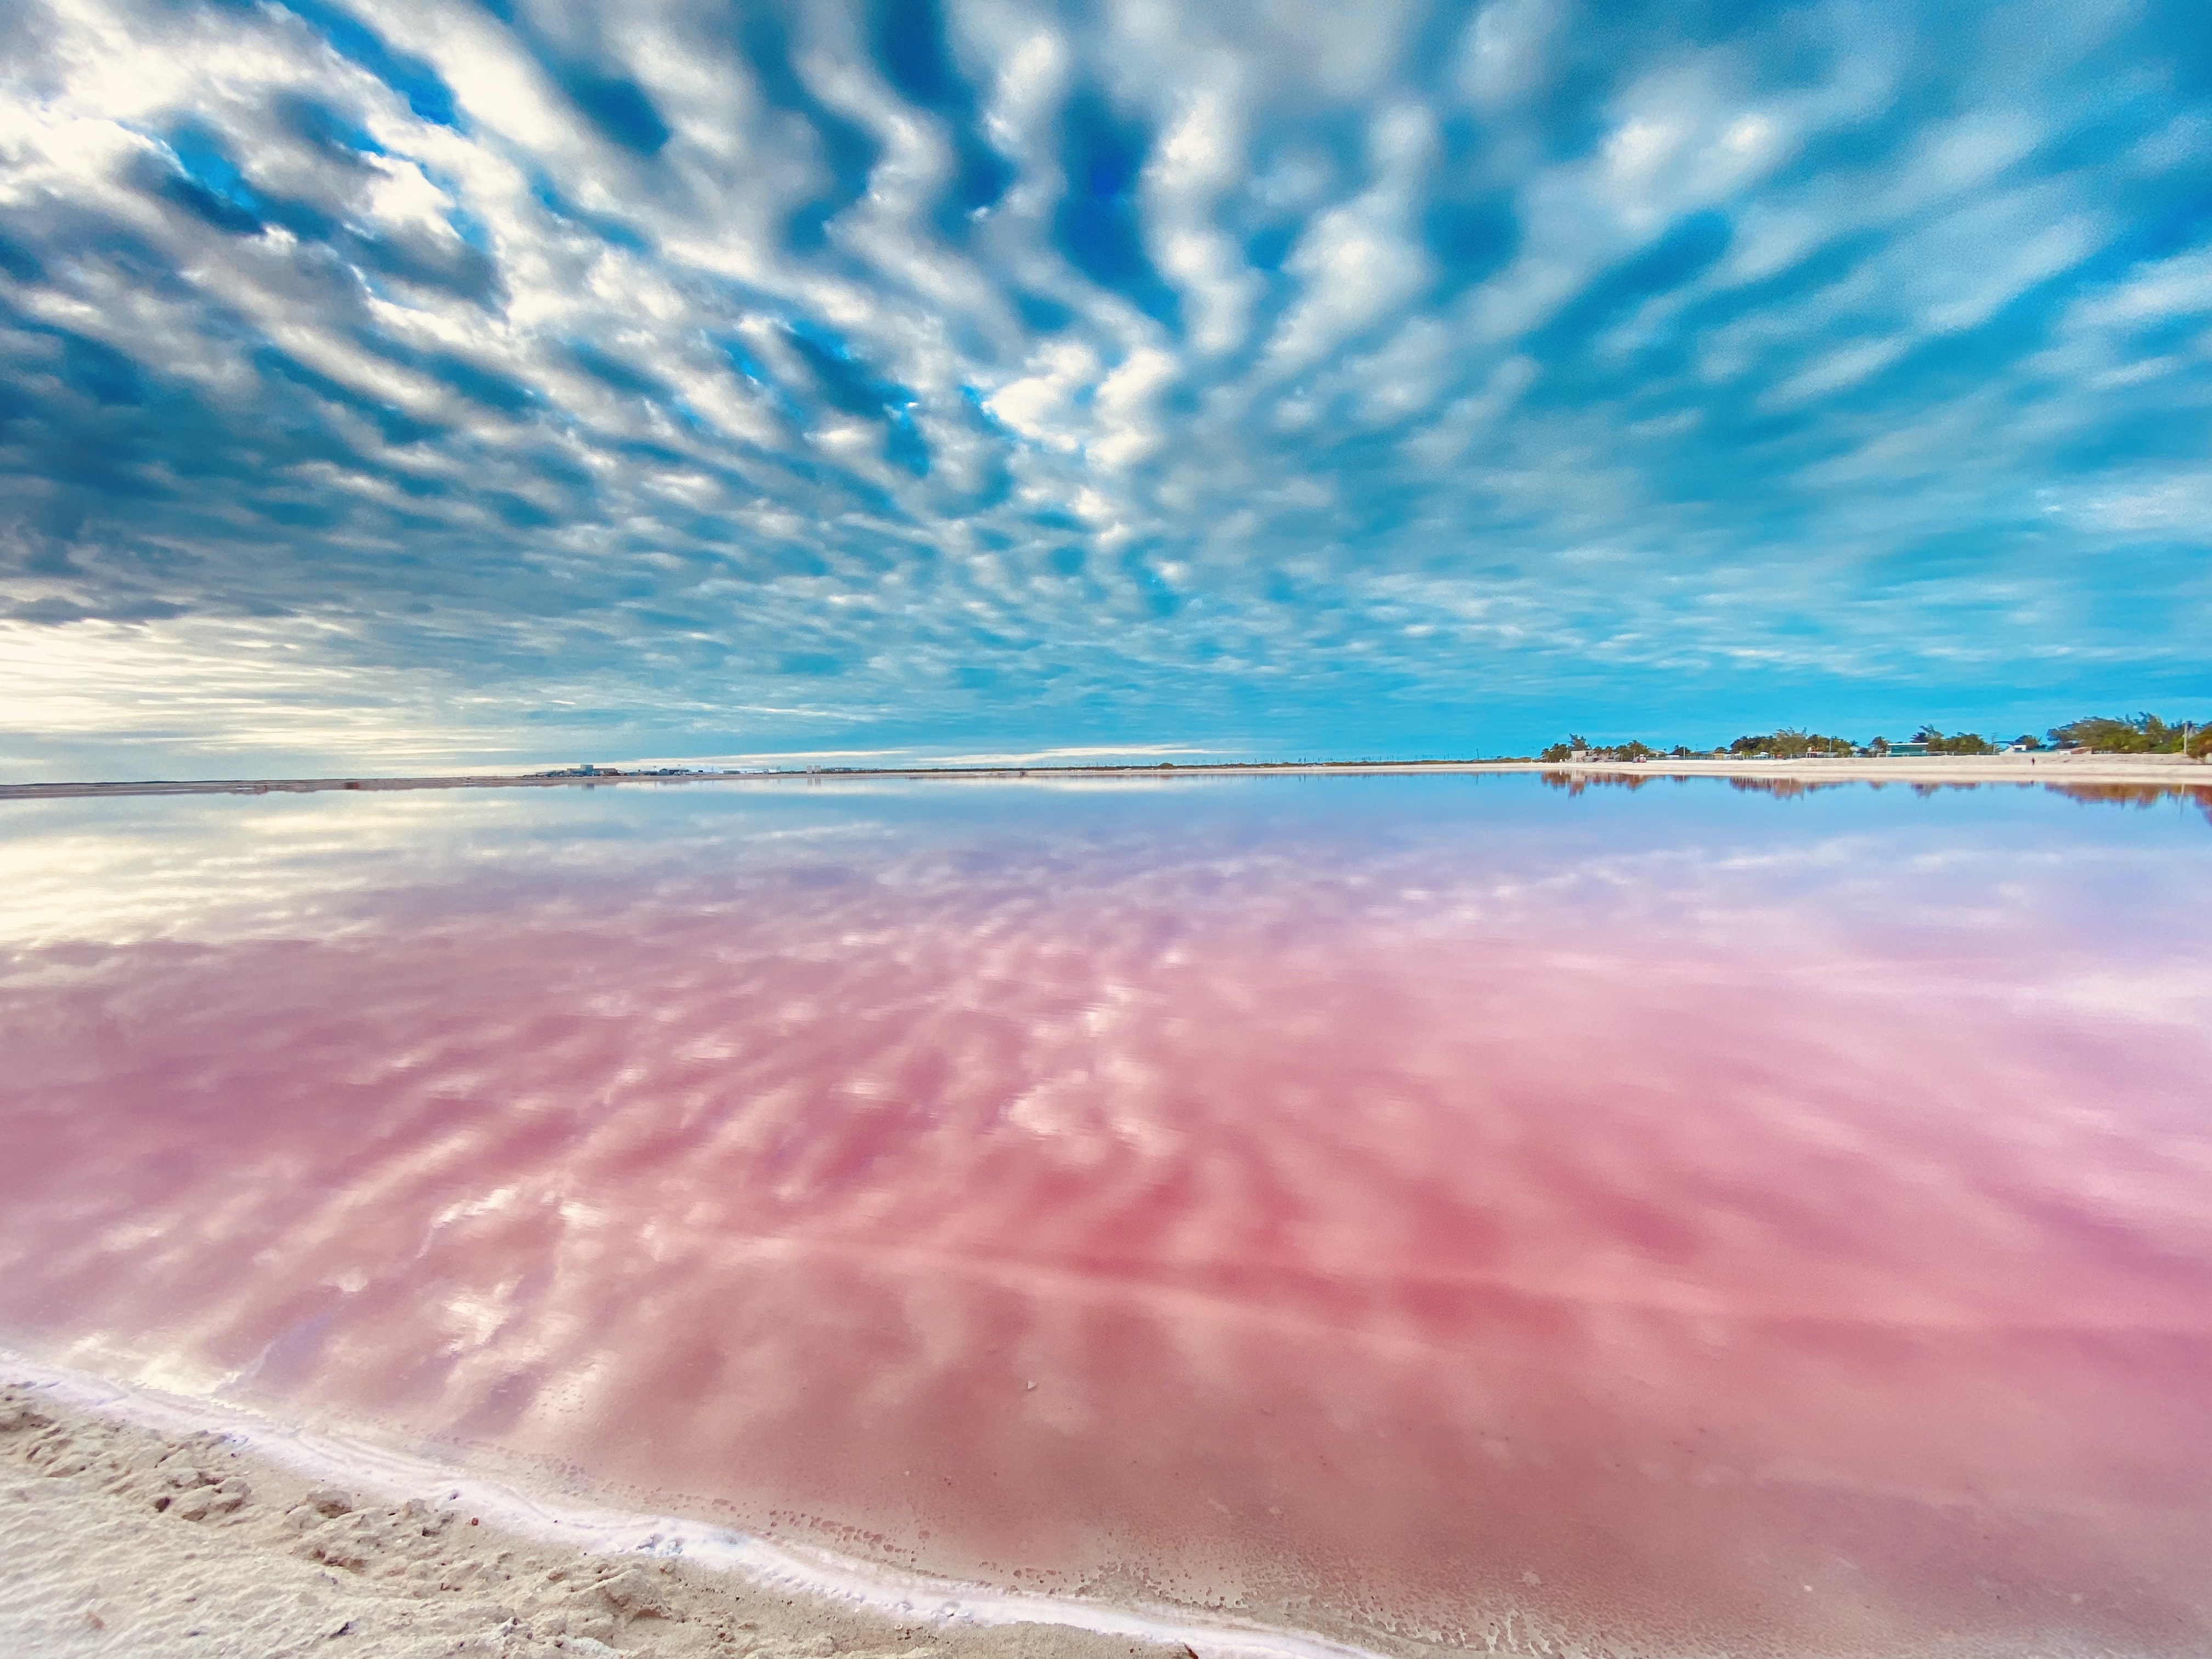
<point x="433" y="382"/>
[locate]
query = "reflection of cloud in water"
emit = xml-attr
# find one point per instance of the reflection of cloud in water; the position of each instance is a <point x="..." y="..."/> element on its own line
<point x="1676" y="1207"/>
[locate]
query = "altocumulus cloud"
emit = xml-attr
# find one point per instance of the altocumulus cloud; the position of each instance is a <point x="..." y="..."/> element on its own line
<point x="420" y="381"/>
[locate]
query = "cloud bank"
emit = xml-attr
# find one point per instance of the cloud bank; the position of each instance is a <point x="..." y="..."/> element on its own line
<point x="433" y="382"/>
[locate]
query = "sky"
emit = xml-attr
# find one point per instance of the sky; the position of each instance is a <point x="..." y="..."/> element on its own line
<point x="427" y="384"/>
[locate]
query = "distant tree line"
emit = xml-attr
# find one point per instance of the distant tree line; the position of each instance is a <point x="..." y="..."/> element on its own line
<point x="2146" y="734"/>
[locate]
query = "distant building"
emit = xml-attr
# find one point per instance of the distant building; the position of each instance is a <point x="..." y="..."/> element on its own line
<point x="589" y="770"/>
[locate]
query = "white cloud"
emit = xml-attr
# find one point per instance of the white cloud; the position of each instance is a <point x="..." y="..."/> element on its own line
<point x="2177" y="506"/>
<point x="1358" y="262"/>
<point x="1125" y="405"/>
<point x="570" y="403"/>
<point x="1040" y="405"/>
<point x="1200" y="159"/>
<point x="2152" y="292"/>
<point x="1964" y="152"/>
<point x="1501" y="52"/>
<point x="1841" y="369"/>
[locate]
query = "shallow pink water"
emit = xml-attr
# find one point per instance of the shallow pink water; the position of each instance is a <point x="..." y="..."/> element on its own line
<point x="1496" y="1216"/>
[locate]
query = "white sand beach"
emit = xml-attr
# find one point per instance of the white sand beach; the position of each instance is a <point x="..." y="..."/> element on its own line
<point x="121" y="1542"/>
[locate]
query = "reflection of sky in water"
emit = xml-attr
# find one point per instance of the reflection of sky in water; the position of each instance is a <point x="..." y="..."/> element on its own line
<point x="1690" y="1214"/>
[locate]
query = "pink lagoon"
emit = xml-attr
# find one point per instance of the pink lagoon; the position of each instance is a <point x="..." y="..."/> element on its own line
<point x="1456" y="1212"/>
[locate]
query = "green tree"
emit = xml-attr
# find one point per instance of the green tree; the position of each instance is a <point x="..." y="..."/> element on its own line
<point x="2146" y="734"/>
<point x="1791" y="743"/>
<point x="1634" y="749"/>
<point x="1966" y="743"/>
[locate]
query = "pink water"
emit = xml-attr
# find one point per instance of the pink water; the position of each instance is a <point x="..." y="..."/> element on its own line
<point x="1688" y="1222"/>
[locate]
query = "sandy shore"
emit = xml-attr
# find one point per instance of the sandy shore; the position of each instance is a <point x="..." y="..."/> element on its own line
<point x="119" y="1540"/>
<point x="2166" y="771"/>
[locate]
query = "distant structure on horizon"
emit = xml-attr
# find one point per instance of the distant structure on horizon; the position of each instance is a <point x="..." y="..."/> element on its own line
<point x="589" y="770"/>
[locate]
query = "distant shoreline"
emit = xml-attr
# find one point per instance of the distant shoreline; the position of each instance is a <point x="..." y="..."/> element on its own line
<point x="2164" y="769"/>
<point x="2167" y="770"/>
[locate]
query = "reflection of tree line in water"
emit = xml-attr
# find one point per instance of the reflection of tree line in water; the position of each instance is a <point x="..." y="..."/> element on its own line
<point x="2115" y="794"/>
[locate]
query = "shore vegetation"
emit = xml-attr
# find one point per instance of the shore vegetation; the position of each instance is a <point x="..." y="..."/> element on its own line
<point x="2146" y="734"/>
<point x="2104" y="734"/>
